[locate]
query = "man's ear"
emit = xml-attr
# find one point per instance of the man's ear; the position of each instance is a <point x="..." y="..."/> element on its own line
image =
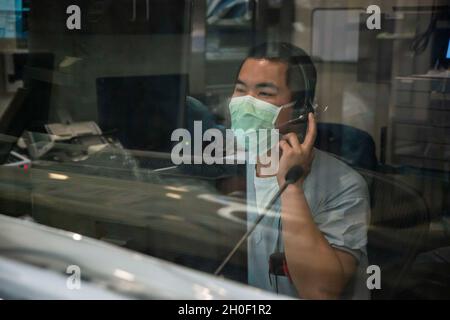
<point x="284" y="116"/>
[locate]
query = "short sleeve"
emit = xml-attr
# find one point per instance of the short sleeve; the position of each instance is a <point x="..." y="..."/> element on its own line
<point x="344" y="221"/>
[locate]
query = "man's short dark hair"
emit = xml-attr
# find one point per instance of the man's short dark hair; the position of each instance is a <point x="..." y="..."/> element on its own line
<point x="300" y="66"/>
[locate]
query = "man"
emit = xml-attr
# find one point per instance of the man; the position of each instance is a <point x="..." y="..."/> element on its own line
<point x="319" y="223"/>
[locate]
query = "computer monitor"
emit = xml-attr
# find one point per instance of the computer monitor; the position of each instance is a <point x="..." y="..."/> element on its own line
<point x="441" y="49"/>
<point x="13" y="19"/>
<point x="142" y="111"/>
<point x="448" y="50"/>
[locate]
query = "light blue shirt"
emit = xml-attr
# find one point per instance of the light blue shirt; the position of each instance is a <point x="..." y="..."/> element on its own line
<point x="339" y="201"/>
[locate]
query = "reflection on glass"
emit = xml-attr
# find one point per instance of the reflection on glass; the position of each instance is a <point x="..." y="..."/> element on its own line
<point x="87" y="122"/>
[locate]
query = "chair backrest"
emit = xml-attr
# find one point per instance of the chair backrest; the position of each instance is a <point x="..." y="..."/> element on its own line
<point x="398" y="227"/>
<point x="354" y="146"/>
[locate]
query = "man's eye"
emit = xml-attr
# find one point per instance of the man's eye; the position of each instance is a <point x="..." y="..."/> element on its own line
<point x="239" y="90"/>
<point x="266" y="94"/>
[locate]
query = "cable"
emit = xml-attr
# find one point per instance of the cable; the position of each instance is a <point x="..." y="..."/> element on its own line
<point x="420" y="42"/>
<point x="292" y="176"/>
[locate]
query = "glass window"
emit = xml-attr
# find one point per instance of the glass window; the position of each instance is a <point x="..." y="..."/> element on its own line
<point x="300" y="147"/>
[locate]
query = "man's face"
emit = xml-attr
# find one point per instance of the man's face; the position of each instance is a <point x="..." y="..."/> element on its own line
<point x="265" y="80"/>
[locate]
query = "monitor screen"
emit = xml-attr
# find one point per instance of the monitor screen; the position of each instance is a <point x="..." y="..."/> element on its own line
<point x="13" y="22"/>
<point x="448" y="50"/>
<point x="142" y="111"/>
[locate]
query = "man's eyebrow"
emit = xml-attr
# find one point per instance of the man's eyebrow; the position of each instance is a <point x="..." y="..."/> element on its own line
<point x="262" y="85"/>
<point x="266" y="85"/>
<point x="238" y="81"/>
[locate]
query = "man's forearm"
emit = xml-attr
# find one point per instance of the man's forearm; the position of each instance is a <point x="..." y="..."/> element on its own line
<point x="314" y="267"/>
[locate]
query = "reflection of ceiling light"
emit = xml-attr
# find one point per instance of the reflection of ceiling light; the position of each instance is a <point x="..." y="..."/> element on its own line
<point x="173" y="195"/>
<point x="137" y="256"/>
<point x="202" y="293"/>
<point x="123" y="275"/>
<point x="57" y="176"/>
<point x="178" y="189"/>
<point x="173" y="217"/>
<point x="77" y="237"/>
<point x="68" y="61"/>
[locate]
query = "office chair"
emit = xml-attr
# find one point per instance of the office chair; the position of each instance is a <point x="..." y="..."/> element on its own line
<point x="398" y="227"/>
<point x="354" y="146"/>
<point x="430" y="278"/>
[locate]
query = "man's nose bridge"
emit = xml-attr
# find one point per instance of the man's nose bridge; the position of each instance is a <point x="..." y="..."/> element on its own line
<point x="252" y="92"/>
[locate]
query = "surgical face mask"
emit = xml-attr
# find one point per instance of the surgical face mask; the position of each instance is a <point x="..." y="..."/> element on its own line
<point x="248" y="116"/>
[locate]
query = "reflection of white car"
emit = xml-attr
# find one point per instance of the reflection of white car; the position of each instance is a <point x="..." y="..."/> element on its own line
<point x="34" y="260"/>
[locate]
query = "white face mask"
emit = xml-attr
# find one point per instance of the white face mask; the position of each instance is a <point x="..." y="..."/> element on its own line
<point x="254" y="119"/>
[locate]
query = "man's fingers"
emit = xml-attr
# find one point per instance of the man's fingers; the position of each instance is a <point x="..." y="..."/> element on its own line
<point x="311" y="133"/>
<point x="284" y="145"/>
<point x="292" y="139"/>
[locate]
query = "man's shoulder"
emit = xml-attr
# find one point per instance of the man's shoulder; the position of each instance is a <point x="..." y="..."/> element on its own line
<point x="329" y="171"/>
